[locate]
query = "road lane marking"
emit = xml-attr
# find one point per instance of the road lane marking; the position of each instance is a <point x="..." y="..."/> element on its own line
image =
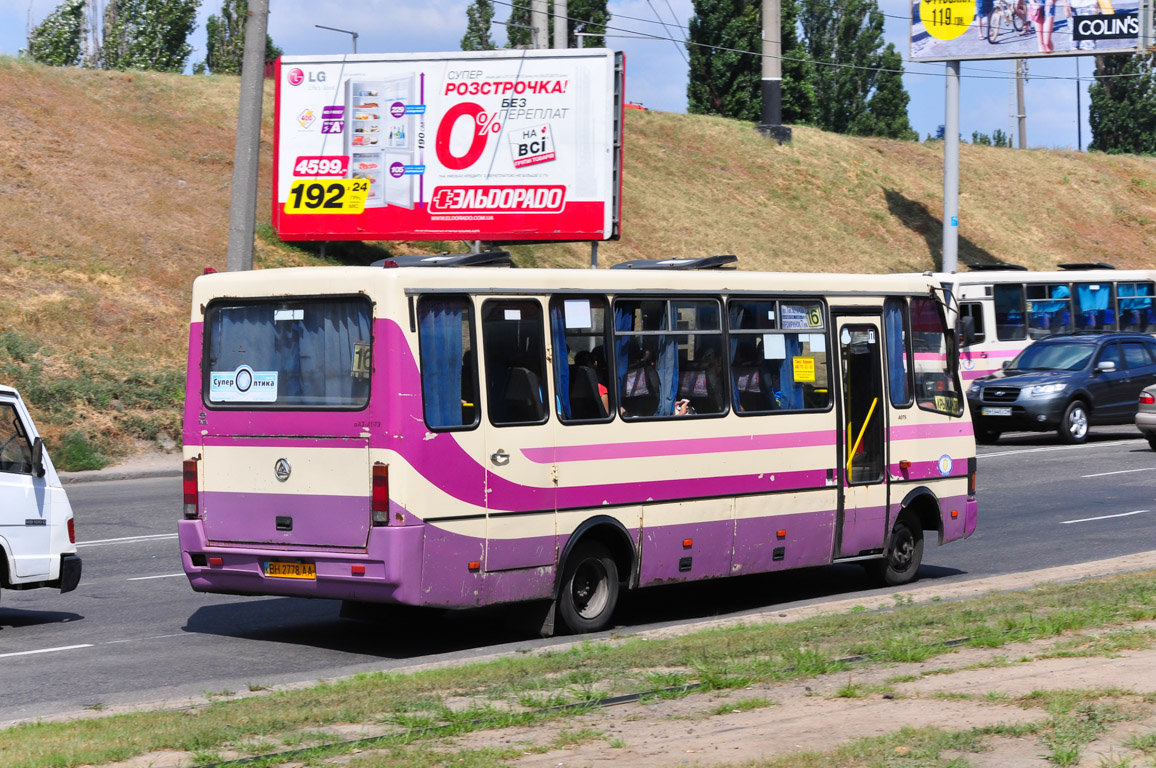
<point x="162" y="576"/>
<point x="1057" y="448"/>
<point x="1118" y="472"/>
<point x="1104" y="517"/>
<point x="46" y="650"/>
<point x="152" y="537"/>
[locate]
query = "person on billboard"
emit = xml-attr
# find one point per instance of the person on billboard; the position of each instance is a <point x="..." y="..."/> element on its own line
<point x="1042" y="14"/>
<point x="983" y="9"/>
<point x="1077" y="8"/>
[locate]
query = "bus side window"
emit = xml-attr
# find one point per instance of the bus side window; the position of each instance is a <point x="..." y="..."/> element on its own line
<point x="1009" y="312"/>
<point x="898" y="360"/>
<point x="778" y="356"/>
<point x="449" y="365"/>
<point x="514" y="346"/>
<point x="1136" y="308"/>
<point x="936" y="388"/>
<point x="578" y="333"/>
<point x="971" y="323"/>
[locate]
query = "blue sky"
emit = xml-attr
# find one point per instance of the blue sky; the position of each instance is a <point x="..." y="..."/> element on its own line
<point x="656" y="69"/>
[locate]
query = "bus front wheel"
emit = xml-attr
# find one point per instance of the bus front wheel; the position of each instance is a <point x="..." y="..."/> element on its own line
<point x="589" y="590"/>
<point x="904" y="553"/>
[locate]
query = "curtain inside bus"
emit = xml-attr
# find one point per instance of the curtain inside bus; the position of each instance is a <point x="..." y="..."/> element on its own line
<point x="894" y="324"/>
<point x="561" y="359"/>
<point x="1093" y="302"/>
<point x="440" y="333"/>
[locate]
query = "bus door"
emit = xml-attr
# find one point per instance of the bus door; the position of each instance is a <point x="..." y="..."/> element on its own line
<point x="862" y="515"/>
<point x="519" y="440"/>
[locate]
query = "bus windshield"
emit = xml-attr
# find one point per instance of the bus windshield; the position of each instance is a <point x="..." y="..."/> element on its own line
<point x="304" y="353"/>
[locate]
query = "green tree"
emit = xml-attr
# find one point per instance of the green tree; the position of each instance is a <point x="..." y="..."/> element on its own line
<point x="57" y="41"/>
<point x="518" y="25"/>
<point x="589" y="16"/>
<point x="148" y="34"/>
<point x="479" y="17"/>
<point x="858" y="81"/>
<point x="725" y="50"/>
<point x="1122" y="113"/>
<point x="225" y="40"/>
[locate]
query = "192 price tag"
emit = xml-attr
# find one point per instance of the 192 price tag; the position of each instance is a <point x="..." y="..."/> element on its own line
<point x="333" y="197"/>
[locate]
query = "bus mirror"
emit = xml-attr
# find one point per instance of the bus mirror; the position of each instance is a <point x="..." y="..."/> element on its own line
<point x="967" y="330"/>
<point x="38" y="457"/>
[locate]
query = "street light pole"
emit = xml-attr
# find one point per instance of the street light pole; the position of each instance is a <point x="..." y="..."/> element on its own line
<point x="346" y="31"/>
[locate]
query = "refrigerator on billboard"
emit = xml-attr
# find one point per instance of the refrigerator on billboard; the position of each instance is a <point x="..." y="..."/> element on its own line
<point x="379" y="138"/>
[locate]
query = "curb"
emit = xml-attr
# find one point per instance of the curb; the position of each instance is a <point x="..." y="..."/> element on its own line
<point x="114" y="473"/>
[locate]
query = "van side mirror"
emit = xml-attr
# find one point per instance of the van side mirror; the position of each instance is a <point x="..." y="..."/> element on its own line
<point x="38" y="457"/>
<point x="1105" y="366"/>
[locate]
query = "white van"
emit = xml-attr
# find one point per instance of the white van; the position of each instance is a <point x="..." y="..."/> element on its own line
<point x="37" y="535"/>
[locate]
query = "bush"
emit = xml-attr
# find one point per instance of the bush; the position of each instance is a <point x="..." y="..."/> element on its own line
<point x="76" y="452"/>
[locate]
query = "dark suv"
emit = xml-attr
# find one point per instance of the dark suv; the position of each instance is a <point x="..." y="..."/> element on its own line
<point x="1065" y="383"/>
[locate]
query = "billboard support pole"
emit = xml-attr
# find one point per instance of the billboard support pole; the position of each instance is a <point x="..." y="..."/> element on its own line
<point x="247" y="152"/>
<point x="540" y="30"/>
<point x="561" y="36"/>
<point x="1021" y="113"/>
<point x="951" y="170"/>
<point x="771" y="115"/>
<point x="594" y="254"/>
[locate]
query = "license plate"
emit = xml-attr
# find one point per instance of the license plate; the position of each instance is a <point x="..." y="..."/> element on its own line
<point x="989" y="411"/>
<point x="280" y="570"/>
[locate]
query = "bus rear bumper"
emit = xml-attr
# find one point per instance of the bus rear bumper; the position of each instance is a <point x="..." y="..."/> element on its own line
<point x="388" y="570"/>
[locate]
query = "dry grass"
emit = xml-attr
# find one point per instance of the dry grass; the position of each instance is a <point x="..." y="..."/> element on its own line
<point x="114" y="195"/>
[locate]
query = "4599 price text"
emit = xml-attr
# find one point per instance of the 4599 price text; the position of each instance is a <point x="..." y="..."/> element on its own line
<point x="331" y="197"/>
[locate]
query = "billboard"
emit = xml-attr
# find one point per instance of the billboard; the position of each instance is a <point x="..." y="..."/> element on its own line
<point x="502" y="146"/>
<point x="957" y="30"/>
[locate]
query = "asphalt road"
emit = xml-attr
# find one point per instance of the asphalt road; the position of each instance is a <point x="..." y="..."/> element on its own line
<point x="135" y="632"/>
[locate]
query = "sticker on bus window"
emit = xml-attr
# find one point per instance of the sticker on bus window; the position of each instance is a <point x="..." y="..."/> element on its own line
<point x="243" y="385"/>
<point x="577" y="313"/>
<point x="804" y="369"/>
<point x="512" y="314"/>
<point x="818" y="342"/>
<point x="774" y="346"/>
<point x="800" y="317"/>
<point x="288" y="314"/>
<point x="362" y="360"/>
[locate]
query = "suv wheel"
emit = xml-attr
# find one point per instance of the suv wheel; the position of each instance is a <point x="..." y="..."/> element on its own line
<point x="1074" y="424"/>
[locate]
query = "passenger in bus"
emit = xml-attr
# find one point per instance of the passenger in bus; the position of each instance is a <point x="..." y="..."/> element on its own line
<point x="641" y="385"/>
<point x="582" y="370"/>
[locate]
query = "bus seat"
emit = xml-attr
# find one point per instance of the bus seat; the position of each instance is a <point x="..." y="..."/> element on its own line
<point x="585" y="402"/>
<point x="749" y="383"/>
<point x="521" y="399"/>
<point x="641" y="388"/>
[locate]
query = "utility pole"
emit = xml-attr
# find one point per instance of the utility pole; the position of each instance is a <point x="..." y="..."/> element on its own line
<point x="1079" y="117"/>
<point x="951" y="170"/>
<point x="539" y="29"/>
<point x="1021" y="113"/>
<point x="561" y="35"/>
<point x="243" y="210"/>
<point x="771" y="117"/>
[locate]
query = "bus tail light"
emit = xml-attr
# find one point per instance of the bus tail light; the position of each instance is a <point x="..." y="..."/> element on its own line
<point x="971" y="467"/>
<point x="190" y="487"/>
<point x="380" y="503"/>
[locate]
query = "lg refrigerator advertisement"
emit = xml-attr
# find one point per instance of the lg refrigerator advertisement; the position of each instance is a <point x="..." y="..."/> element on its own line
<point x="503" y="146"/>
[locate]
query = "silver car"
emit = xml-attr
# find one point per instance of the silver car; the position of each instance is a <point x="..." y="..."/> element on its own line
<point x="1146" y="416"/>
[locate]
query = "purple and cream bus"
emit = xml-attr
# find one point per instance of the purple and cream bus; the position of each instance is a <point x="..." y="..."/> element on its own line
<point x="459" y="437"/>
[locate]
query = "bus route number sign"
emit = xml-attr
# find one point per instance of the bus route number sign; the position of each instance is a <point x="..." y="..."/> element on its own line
<point x="334" y="196"/>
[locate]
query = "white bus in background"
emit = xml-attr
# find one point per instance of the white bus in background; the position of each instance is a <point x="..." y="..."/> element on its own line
<point x="1004" y="308"/>
<point x="458" y="437"/>
<point x="37" y="533"/>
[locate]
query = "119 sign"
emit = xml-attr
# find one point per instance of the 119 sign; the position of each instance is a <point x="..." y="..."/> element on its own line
<point x="330" y="197"/>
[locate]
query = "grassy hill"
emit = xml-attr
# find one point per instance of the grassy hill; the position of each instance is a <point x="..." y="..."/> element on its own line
<point x="114" y="195"/>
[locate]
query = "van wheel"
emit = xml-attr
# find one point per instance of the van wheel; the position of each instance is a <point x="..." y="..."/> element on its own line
<point x="1074" y="424"/>
<point x="904" y="553"/>
<point x="589" y="590"/>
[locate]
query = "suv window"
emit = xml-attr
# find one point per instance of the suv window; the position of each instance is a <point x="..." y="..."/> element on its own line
<point x="1110" y="354"/>
<point x="1136" y="355"/>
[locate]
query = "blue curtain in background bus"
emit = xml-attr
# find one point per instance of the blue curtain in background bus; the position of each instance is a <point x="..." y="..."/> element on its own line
<point x="561" y="359"/>
<point x="896" y="352"/>
<point x="440" y="332"/>
<point x="790" y="394"/>
<point x="735" y="320"/>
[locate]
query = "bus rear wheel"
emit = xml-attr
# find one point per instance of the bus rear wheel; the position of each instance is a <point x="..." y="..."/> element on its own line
<point x="904" y="552"/>
<point x="589" y="590"/>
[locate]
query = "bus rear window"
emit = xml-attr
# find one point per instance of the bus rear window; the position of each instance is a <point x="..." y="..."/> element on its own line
<point x="288" y="354"/>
